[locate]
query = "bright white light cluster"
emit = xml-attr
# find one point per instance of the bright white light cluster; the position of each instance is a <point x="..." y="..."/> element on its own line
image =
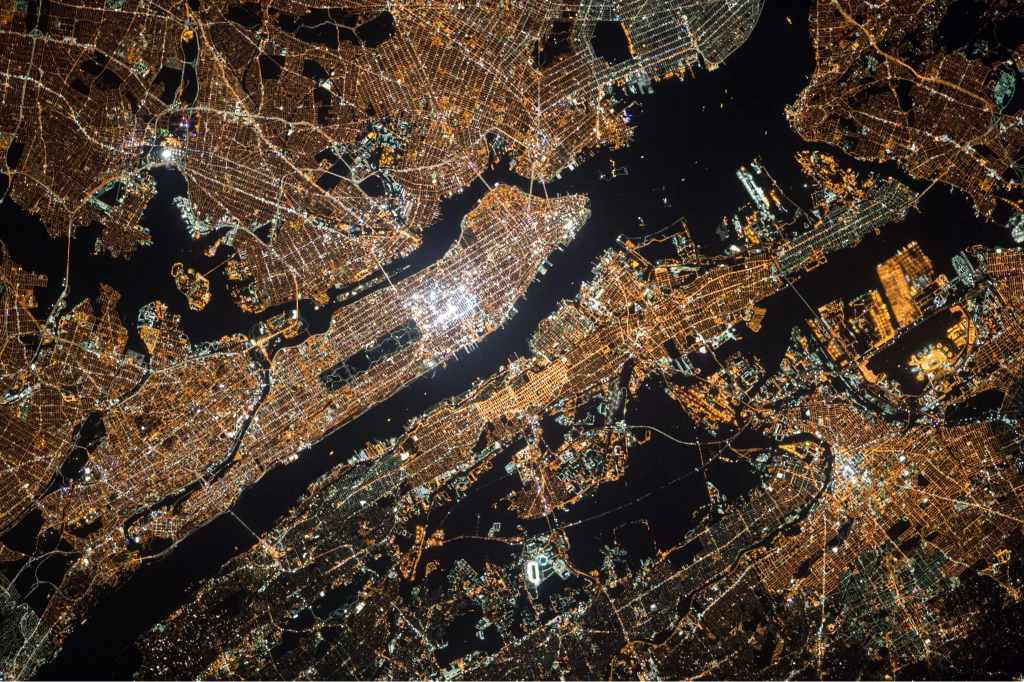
<point x="457" y="305"/>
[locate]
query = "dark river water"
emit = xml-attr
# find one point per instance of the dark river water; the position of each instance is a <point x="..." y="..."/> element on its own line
<point x="690" y="139"/>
